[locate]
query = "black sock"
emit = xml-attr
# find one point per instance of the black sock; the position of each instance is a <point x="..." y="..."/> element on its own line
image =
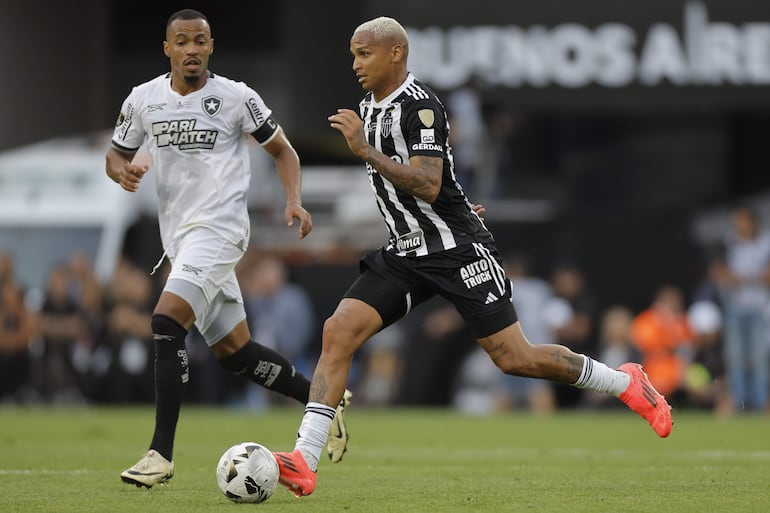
<point x="269" y="369"/>
<point x="172" y="372"/>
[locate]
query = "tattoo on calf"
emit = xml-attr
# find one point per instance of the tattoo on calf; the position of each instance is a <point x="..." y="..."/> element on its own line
<point x="574" y="362"/>
<point x="318" y="389"/>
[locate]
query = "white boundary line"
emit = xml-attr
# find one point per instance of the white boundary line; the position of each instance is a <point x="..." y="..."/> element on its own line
<point x="41" y="471"/>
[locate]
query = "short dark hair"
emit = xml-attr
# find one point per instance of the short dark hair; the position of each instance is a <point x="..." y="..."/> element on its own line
<point x="187" y="14"/>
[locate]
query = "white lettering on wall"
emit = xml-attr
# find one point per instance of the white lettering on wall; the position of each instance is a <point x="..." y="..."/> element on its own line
<point x="572" y="55"/>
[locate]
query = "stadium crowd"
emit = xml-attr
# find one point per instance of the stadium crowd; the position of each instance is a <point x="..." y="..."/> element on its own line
<point x="83" y="341"/>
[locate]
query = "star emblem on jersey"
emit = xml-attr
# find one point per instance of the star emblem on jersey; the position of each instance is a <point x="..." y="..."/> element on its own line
<point x="211" y="105"/>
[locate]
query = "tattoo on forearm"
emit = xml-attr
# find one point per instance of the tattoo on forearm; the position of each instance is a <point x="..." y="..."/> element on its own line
<point x="411" y="179"/>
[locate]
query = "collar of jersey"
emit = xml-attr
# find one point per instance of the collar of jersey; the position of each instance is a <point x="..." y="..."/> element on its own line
<point x="209" y="76"/>
<point x="388" y="99"/>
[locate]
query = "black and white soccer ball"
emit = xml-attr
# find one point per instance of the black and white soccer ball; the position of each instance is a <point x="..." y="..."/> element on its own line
<point x="247" y="472"/>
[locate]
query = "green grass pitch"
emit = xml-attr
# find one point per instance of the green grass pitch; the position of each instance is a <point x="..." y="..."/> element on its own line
<point x="68" y="460"/>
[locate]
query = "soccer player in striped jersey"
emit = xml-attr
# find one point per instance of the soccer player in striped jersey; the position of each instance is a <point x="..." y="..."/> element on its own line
<point x="195" y="125"/>
<point x="438" y="245"/>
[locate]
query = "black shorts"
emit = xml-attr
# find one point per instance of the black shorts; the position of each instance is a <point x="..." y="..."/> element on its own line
<point x="471" y="277"/>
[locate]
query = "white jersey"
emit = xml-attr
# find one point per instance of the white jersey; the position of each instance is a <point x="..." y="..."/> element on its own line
<point x="198" y="146"/>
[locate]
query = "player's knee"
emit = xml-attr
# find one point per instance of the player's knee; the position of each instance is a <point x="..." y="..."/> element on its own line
<point x="522" y="361"/>
<point x="518" y="367"/>
<point x="165" y="326"/>
<point x="340" y="336"/>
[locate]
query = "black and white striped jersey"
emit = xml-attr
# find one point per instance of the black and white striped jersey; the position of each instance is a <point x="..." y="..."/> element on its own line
<point x="412" y="121"/>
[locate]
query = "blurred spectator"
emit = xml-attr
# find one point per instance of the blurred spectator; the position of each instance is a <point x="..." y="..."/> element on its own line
<point x="501" y="161"/>
<point x="86" y="290"/>
<point x="744" y="280"/>
<point x="577" y="329"/>
<point x="710" y="288"/>
<point x="480" y="389"/>
<point x="208" y="383"/>
<point x="280" y="315"/>
<point x="531" y="295"/>
<point x="615" y="348"/>
<point x="16" y="331"/>
<point x="433" y="357"/>
<point x="6" y="267"/>
<point x="705" y="379"/>
<point x="663" y="336"/>
<point x="615" y="344"/>
<point x="61" y="327"/>
<point x="468" y="138"/>
<point x="382" y="367"/>
<point x="126" y="340"/>
<point x="706" y="376"/>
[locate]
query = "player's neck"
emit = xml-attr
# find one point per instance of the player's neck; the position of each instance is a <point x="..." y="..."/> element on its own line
<point x="185" y="87"/>
<point x="394" y="84"/>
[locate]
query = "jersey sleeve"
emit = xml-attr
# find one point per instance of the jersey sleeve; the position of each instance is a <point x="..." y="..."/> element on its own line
<point x="426" y="131"/>
<point x="129" y="134"/>
<point x="257" y="118"/>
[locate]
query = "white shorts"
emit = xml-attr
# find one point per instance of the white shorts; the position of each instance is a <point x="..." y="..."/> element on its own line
<point x="207" y="260"/>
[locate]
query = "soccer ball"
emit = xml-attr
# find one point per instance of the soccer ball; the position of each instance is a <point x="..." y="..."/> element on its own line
<point x="247" y="472"/>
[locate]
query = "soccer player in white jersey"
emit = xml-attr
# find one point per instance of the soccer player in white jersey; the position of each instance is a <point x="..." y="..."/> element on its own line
<point x="438" y="245"/>
<point x="195" y="125"/>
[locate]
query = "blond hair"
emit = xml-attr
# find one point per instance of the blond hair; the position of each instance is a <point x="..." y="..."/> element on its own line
<point x="385" y="28"/>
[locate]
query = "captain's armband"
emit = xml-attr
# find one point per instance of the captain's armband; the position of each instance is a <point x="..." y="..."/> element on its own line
<point x="266" y="131"/>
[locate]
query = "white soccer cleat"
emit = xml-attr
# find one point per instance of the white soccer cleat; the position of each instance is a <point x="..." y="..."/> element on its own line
<point x="338" y="434"/>
<point x="152" y="469"/>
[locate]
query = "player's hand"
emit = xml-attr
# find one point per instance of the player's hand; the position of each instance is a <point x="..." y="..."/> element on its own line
<point x="294" y="211"/>
<point x="479" y="209"/>
<point x="130" y="176"/>
<point x="352" y="127"/>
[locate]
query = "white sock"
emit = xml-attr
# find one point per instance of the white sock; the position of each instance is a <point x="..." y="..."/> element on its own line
<point x="313" y="432"/>
<point x="598" y="377"/>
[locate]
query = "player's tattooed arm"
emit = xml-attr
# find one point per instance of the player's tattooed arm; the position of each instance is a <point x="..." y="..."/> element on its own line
<point x="420" y="178"/>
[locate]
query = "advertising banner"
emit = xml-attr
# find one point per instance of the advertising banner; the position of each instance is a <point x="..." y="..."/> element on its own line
<point x="692" y="53"/>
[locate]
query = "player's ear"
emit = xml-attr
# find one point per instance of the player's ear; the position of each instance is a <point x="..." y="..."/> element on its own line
<point x="165" y="48"/>
<point x="397" y="53"/>
<point x="212" y="46"/>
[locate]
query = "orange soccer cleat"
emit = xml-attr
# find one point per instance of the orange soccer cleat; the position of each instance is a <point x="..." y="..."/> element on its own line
<point x="642" y="398"/>
<point x="295" y="474"/>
